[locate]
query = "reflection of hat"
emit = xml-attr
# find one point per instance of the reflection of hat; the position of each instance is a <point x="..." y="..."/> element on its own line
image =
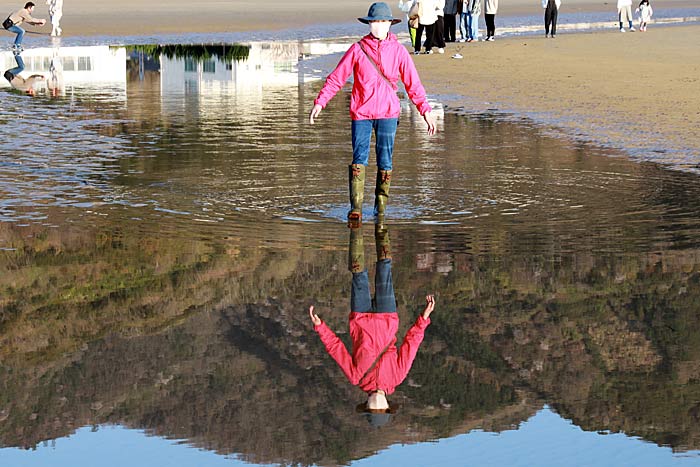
<point x="375" y="417"/>
<point x="379" y="11"/>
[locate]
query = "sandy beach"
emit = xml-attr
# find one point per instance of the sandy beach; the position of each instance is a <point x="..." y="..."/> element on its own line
<point x="636" y="91"/>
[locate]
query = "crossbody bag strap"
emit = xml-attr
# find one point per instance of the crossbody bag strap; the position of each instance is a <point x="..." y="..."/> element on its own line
<point x="374" y="64"/>
<point x="381" y="354"/>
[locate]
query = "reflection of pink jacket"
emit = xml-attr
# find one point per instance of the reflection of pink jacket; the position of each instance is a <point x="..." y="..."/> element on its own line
<point x="371" y="333"/>
<point x="372" y="97"/>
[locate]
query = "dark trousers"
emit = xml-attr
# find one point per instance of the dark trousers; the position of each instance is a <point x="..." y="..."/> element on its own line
<point x="450" y="28"/>
<point x="428" y="37"/>
<point x="490" y="25"/>
<point x="439" y="32"/>
<point x="550" y="17"/>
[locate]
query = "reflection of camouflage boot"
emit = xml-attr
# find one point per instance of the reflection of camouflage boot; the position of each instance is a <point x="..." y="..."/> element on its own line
<point x="381" y="238"/>
<point x="381" y="192"/>
<point x="356" y="251"/>
<point x="357" y="193"/>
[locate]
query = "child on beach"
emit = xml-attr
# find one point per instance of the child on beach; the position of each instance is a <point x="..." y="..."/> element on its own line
<point x="374" y="363"/>
<point x="645" y="13"/>
<point x="377" y="61"/>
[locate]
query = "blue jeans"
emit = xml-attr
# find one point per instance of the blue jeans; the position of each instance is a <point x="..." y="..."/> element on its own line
<point x="20" y="66"/>
<point x="384" y="134"/>
<point x="20" y="34"/>
<point x="473" y="27"/>
<point x="464" y="25"/>
<point x="384" y="298"/>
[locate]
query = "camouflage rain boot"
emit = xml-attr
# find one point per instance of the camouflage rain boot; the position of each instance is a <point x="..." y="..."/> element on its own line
<point x="381" y="239"/>
<point x="381" y="192"/>
<point x="357" y="193"/>
<point x="356" y="251"/>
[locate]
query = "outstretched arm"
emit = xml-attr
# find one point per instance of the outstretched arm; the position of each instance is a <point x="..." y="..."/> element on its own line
<point x="429" y="306"/>
<point x="414" y="338"/>
<point x="335" y="347"/>
<point x="334" y="82"/>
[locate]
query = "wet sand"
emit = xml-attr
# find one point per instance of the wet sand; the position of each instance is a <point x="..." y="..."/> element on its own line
<point x="635" y="90"/>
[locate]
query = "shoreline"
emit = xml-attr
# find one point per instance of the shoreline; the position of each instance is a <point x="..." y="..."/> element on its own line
<point x="591" y="86"/>
<point x="132" y="17"/>
<point x="636" y="92"/>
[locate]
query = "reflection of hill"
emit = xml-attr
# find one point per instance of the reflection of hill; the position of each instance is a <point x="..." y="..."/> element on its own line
<point x="225" y="52"/>
<point x="209" y="342"/>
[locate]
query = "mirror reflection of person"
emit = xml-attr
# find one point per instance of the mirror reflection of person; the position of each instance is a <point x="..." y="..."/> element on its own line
<point x="375" y="365"/>
<point x="29" y="85"/>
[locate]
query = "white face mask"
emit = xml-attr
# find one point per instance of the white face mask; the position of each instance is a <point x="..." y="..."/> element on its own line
<point x="379" y="29"/>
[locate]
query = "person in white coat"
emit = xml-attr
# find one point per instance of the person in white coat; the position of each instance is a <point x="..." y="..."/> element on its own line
<point x="490" y="18"/>
<point x="624" y="13"/>
<point x="427" y="17"/>
<point x="56" y="13"/>
<point x="551" y="11"/>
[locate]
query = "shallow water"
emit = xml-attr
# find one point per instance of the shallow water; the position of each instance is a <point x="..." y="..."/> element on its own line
<point x="163" y="230"/>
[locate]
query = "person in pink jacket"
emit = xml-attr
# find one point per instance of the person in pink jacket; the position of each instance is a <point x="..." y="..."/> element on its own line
<point x="374" y="364"/>
<point x="376" y="62"/>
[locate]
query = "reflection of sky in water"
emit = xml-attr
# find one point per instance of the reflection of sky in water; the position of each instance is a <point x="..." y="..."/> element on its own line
<point x="544" y="440"/>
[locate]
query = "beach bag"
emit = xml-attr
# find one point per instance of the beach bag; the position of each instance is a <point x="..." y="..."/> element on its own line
<point x="413" y="16"/>
<point x="8" y="23"/>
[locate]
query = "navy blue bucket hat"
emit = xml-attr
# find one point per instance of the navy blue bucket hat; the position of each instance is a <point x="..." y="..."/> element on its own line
<point x="379" y="11"/>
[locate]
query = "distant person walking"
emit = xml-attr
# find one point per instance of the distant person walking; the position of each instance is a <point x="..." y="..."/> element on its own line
<point x="377" y="62"/>
<point x="551" y="11"/>
<point x="410" y="7"/>
<point x="463" y="19"/>
<point x="450" y="9"/>
<point x="439" y="31"/>
<point x="474" y="13"/>
<point x="645" y="13"/>
<point x="55" y="15"/>
<point x="490" y="18"/>
<point x="427" y="17"/>
<point x="22" y="16"/>
<point x="624" y="14"/>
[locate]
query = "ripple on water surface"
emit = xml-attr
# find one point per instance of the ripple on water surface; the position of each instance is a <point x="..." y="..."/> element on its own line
<point x="230" y="152"/>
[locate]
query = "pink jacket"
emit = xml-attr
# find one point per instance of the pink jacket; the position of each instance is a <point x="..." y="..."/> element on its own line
<point x="372" y="97"/>
<point x="370" y="334"/>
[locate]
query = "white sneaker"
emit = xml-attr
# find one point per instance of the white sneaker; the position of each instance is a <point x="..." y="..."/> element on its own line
<point x="622" y="30"/>
<point x="632" y="29"/>
<point x="462" y="40"/>
<point x="428" y="52"/>
<point x="441" y="50"/>
<point x="416" y="52"/>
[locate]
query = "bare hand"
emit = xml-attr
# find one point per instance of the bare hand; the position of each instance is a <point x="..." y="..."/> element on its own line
<point x="430" y="120"/>
<point x="314" y="317"/>
<point x="429" y="306"/>
<point x="314" y="113"/>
